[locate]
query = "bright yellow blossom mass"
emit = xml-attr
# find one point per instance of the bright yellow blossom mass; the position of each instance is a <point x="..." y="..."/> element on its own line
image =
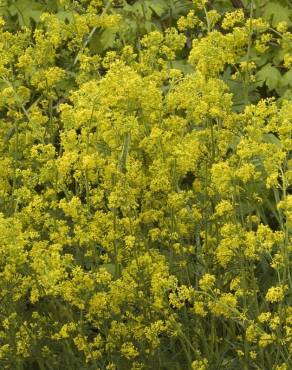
<point x="145" y="185"/>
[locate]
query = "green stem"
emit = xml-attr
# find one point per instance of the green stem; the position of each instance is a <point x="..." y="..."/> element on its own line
<point x="246" y="79"/>
<point x="92" y="32"/>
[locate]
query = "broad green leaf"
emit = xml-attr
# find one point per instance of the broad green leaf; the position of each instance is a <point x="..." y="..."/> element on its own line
<point x="158" y="7"/>
<point x="182" y="65"/>
<point x="276" y="13"/>
<point x="26" y="10"/>
<point x="272" y="139"/>
<point x="102" y="41"/>
<point x="140" y="10"/>
<point x="64" y="15"/>
<point x="110" y="267"/>
<point x="270" y="76"/>
<point x="278" y="57"/>
<point x="108" y="38"/>
<point x="149" y="26"/>
<point x="286" y="79"/>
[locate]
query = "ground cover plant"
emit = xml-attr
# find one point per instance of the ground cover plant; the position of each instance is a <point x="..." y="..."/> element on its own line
<point x="145" y="184"/>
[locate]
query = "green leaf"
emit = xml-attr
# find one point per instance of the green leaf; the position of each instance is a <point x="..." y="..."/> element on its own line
<point x="110" y="267"/>
<point x="158" y="7"/>
<point x="182" y="65"/>
<point x="180" y="7"/>
<point x="108" y="38"/>
<point x="26" y="10"/>
<point x="149" y="26"/>
<point x="140" y="10"/>
<point x="102" y="40"/>
<point x="9" y="134"/>
<point x="276" y="13"/>
<point x="64" y="15"/>
<point x="272" y="139"/>
<point x="286" y="79"/>
<point x="270" y="76"/>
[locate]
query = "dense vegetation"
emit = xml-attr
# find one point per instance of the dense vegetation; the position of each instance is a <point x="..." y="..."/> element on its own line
<point x="145" y="184"/>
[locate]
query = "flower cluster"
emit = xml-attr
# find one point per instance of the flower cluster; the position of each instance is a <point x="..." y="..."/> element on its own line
<point x="145" y="218"/>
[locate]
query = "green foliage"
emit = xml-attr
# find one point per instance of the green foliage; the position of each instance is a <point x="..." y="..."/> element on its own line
<point x="277" y="11"/>
<point x="270" y="76"/>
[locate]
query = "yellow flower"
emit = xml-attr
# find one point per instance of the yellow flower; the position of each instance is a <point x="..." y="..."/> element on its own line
<point x="200" y="364"/>
<point x="129" y="351"/>
<point x="232" y="18"/>
<point x="252" y="333"/>
<point x="275" y="294"/>
<point x="225" y="305"/>
<point x="281" y="367"/>
<point x="199" y="3"/>
<point x="199" y="308"/>
<point x="266" y="339"/>
<point x="207" y="281"/>
<point x="264" y="317"/>
<point x="282" y="27"/>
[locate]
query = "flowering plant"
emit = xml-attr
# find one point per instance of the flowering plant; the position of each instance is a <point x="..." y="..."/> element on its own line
<point x="145" y="185"/>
